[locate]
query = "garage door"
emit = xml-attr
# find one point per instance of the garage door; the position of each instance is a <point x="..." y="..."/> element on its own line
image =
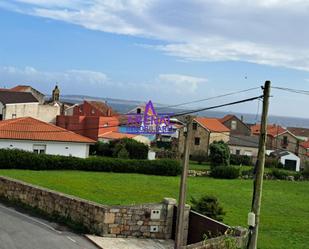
<point x="290" y="164"/>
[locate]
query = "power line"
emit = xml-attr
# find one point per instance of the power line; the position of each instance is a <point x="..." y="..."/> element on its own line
<point x="210" y="98"/>
<point x="218" y="106"/>
<point x="298" y="91"/>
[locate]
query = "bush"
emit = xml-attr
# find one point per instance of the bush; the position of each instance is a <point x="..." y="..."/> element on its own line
<point x="209" y="206"/>
<point x="136" y="150"/>
<point x="225" y="172"/>
<point x="219" y="154"/>
<point x="279" y="174"/>
<point x="123" y="153"/>
<point x="271" y="162"/>
<point x="199" y="156"/>
<point x="240" y="160"/>
<point x="17" y="159"/>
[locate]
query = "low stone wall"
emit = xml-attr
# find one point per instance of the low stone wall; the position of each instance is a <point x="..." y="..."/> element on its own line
<point x="146" y="221"/>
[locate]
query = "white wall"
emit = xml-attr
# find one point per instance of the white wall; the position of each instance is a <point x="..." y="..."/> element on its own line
<point x="52" y="148"/>
<point x="291" y="157"/>
<point x="46" y="113"/>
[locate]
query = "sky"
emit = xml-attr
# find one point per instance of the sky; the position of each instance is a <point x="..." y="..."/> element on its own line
<point x="166" y="51"/>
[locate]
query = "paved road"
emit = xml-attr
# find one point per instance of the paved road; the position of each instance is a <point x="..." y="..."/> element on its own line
<point x="21" y="231"/>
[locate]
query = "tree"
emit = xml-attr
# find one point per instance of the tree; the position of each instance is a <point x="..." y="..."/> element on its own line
<point x="208" y="206"/>
<point x="219" y="154"/>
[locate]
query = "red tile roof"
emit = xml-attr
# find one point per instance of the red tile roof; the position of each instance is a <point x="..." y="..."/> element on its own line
<point x="212" y="124"/>
<point x="305" y="144"/>
<point x="32" y="129"/>
<point x="272" y="130"/>
<point x="226" y="118"/>
<point x="20" y="88"/>
<point x="115" y="135"/>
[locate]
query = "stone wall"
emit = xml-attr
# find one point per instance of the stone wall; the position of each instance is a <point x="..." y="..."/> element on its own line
<point x="146" y="221"/>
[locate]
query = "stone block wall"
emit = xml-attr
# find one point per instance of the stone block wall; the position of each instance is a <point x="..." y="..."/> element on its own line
<point x="145" y="221"/>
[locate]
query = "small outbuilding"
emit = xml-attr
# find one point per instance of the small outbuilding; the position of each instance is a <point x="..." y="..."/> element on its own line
<point x="288" y="159"/>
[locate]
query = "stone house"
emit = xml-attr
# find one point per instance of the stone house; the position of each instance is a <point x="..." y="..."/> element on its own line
<point x="236" y="125"/>
<point x="304" y="153"/>
<point x="205" y="131"/>
<point x="278" y="138"/>
<point x="301" y="133"/>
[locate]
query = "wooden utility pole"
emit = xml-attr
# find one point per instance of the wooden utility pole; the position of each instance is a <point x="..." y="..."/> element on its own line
<point x="183" y="186"/>
<point x="259" y="170"/>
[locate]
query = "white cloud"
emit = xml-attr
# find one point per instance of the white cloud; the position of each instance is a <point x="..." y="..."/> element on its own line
<point x="270" y="32"/>
<point x="179" y="83"/>
<point x="14" y="75"/>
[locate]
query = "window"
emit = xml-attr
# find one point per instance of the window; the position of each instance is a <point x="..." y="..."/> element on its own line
<point x="234" y="125"/>
<point x="92" y="111"/>
<point x="237" y="152"/>
<point x="197" y="141"/>
<point x="285" y="141"/>
<point x="138" y="111"/>
<point x="13" y="115"/>
<point x="39" y="148"/>
<point x="194" y="126"/>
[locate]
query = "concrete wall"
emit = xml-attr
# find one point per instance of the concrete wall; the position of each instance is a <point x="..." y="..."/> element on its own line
<point x="52" y="148"/>
<point x="147" y="220"/>
<point x="46" y="113"/>
<point x="219" y="136"/>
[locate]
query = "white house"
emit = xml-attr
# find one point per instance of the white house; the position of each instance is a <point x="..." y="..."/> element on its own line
<point x="33" y="135"/>
<point x="287" y="158"/>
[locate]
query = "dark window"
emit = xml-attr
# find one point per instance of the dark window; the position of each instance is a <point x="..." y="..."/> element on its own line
<point x="237" y="152"/>
<point x="197" y="141"/>
<point x="138" y="110"/>
<point x="285" y="141"/>
<point x="194" y="126"/>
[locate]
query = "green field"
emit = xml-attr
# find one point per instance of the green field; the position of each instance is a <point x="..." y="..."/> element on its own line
<point x="285" y="208"/>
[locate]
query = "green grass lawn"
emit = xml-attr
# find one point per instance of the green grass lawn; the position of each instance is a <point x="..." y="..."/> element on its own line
<point x="285" y="207"/>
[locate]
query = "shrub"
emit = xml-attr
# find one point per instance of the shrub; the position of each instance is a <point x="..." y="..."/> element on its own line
<point x="136" y="150"/>
<point x="199" y="156"/>
<point x="17" y="159"/>
<point x="271" y="162"/>
<point x="279" y="174"/>
<point x="123" y="153"/>
<point x="225" y="172"/>
<point x="209" y="206"/>
<point x="240" y="160"/>
<point x="219" y="154"/>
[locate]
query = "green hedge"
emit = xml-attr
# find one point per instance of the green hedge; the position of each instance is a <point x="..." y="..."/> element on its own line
<point x="225" y="172"/>
<point x="240" y="160"/>
<point x="17" y="159"/>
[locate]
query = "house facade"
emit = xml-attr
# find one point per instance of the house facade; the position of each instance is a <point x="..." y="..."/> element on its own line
<point x="236" y="125"/>
<point x="244" y="146"/>
<point x="89" y="119"/>
<point x="278" y="138"/>
<point x="36" y="136"/>
<point x="301" y="133"/>
<point x="205" y="131"/>
<point x="25" y="101"/>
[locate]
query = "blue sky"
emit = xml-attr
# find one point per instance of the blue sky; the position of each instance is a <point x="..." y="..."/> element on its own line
<point x="166" y="51"/>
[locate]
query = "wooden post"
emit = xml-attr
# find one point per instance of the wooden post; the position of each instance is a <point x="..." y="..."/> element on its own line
<point x="183" y="186"/>
<point x="259" y="170"/>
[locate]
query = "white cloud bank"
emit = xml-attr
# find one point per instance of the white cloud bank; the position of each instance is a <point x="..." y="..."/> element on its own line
<point x="269" y="32"/>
